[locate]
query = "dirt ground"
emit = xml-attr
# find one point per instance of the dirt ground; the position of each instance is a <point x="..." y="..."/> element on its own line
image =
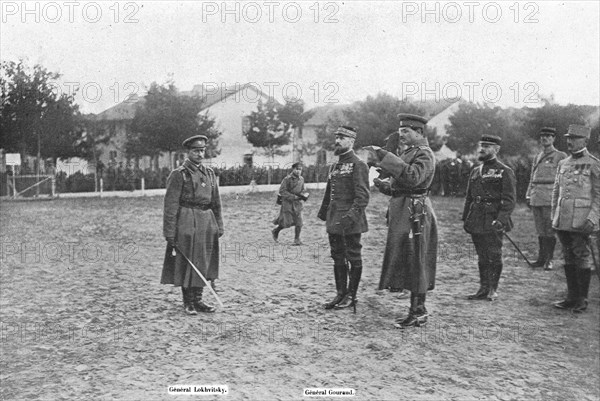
<point x="83" y="316"/>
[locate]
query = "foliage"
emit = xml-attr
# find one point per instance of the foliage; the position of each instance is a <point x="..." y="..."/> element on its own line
<point x="33" y="115"/>
<point x="266" y="129"/>
<point x="164" y="119"/>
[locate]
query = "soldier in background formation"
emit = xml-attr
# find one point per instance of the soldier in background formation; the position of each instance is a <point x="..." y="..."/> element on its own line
<point x="489" y="203"/>
<point x="343" y="209"/>
<point x="539" y="195"/>
<point x="292" y="195"/>
<point x="575" y="214"/>
<point x="411" y="248"/>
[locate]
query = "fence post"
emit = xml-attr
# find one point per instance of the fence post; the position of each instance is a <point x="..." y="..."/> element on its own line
<point x="53" y="186"/>
<point x="101" y="186"/>
<point x="143" y="183"/>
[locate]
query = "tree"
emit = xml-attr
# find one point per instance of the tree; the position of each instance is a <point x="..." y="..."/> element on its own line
<point x="560" y="117"/>
<point x="164" y="119"/>
<point x="34" y="117"/>
<point x="266" y="130"/>
<point x="471" y="121"/>
<point x="293" y="117"/>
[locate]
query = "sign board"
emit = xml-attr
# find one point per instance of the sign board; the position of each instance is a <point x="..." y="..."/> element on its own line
<point x="13" y="159"/>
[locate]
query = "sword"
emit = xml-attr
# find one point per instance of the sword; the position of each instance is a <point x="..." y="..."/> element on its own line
<point x="175" y="247"/>
<point x="589" y="242"/>
<point x="517" y="248"/>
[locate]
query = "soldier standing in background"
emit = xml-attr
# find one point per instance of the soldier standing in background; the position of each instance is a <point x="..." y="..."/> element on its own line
<point x="343" y="208"/>
<point x="575" y="214"/>
<point x="539" y="196"/>
<point x="489" y="202"/>
<point x="292" y="195"/>
<point x="410" y="255"/>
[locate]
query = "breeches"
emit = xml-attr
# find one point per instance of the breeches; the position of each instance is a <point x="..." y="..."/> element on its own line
<point x="543" y="222"/>
<point x="488" y="248"/>
<point x="345" y="248"/>
<point x="575" y="248"/>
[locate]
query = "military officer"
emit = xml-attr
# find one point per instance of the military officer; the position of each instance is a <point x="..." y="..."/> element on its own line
<point x="410" y="255"/>
<point x="193" y="222"/>
<point x="575" y="213"/>
<point x="343" y="208"/>
<point x="490" y="200"/>
<point x="539" y="195"/>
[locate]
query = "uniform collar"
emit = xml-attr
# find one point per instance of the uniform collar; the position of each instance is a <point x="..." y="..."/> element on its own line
<point x="490" y="161"/>
<point x="418" y="142"/>
<point x="344" y="157"/>
<point x="193" y="166"/>
<point x="579" y="154"/>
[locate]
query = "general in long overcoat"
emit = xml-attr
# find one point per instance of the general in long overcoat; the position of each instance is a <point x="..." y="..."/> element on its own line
<point x="412" y="173"/>
<point x="192" y="215"/>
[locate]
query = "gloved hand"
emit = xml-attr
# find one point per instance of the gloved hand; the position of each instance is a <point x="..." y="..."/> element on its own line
<point x="373" y="155"/>
<point x="171" y="241"/>
<point x="528" y="201"/>
<point x="221" y="232"/>
<point x="587" y="227"/>
<point x="498" y="226"/>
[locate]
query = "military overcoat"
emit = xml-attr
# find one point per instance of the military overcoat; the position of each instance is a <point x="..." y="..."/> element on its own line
<point x="411" y="175"/>
<point x="192" y="215"/>
<point x="543" y="173"/>
<point x="290" y="213"/>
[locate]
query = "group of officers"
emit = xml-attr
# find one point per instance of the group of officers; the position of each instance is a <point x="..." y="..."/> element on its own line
<point x="564" y="195"/>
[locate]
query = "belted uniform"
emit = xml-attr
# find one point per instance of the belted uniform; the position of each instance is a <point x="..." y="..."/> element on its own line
<point x="192" y="215"/>
<point x="343" y="208"/>
<point x="539" y="194"/>
<point x="491" y="194"/>
<point x="575" y="200"/>
<point x="411" y="218"/>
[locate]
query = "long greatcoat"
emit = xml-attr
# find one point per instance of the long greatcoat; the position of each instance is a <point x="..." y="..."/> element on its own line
<point x="412" y="171"/>
<point x="192" y="215"/>
<point x="290" y="213"/>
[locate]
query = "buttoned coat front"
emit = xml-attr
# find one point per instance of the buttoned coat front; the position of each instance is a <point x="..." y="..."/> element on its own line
<point x="346" y="196"/>
<point x="576" y="193"/>
<point x="192" y="215"/>
<point x="543" y="173"/>
<point x="412" y="171"/>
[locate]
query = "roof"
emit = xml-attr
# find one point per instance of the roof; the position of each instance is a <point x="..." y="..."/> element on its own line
<point x="126" y="109"/>
<point x="324" y="113"/>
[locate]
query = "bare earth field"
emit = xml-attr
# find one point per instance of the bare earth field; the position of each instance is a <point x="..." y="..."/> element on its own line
<point x="83" y="316"/>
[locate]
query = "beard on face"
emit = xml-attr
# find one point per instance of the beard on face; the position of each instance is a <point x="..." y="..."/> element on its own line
<point x="339" y="149"/>
<point x="484" y="156"/>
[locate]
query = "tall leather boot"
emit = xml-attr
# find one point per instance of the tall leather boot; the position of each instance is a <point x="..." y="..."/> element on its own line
<point x="275" y="233"/>
<point x="583" y="280"/>
<point x="572" y="289"/>
<point x="200" y="306"/>
<point x="297" y="231"/>
<point x="494" y="277"/>
<point x="340" y="272"/>
<point x="188" y="301"/>
<point x="550" y="245"/>
<point x="418" y="313"/>
<point x="350" y="298"/>
<point x="483" y="284"/>
<point x="541" y="260"/>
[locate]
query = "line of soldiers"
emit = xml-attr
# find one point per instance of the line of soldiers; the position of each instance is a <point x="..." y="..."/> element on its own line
<point x="193" y="221"/>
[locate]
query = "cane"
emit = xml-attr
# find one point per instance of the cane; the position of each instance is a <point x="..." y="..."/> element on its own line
<point x="517" y="248"/>
<point x="175" y="247"/>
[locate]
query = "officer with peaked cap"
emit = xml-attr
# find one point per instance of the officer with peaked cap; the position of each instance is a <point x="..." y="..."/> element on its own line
<point x="490" y="200"/>
<point x="575" y="214"/>
<point x="192" y="221"/>
<point x="343" y="208"/>
<point x="539" y="195"/>
<point x="410" y="255"/>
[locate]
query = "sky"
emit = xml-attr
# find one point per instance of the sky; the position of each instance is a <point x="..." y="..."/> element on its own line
<point x="509" y="54"/>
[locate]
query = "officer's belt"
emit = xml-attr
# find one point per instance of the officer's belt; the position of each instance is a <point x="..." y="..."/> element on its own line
<point x="195" y="205"/>
<point x="479" y="199"/>
<point x="543" y="182"/>
<point x="406" y="192"/>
